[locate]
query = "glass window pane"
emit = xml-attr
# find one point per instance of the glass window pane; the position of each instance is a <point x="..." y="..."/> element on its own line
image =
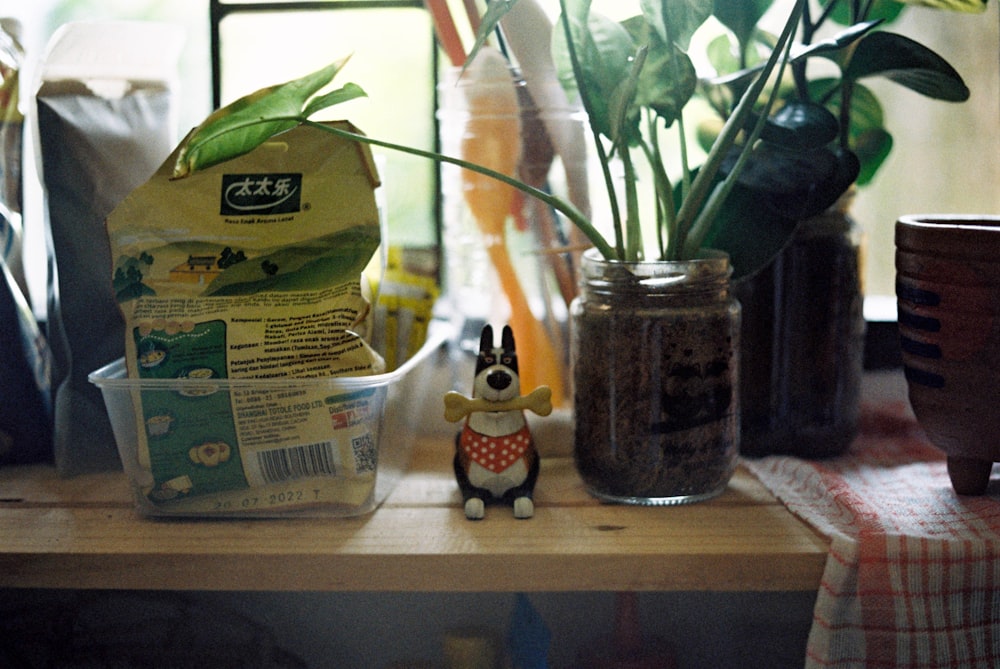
<point x="391" y="59"/>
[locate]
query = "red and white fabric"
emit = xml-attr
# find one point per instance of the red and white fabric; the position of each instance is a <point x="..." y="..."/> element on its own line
<point x="912" y="579"/>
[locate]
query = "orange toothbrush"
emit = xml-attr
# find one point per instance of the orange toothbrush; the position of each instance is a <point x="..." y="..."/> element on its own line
<point x="492" y="139"/>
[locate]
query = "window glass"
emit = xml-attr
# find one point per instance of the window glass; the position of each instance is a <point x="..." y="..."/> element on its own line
<point x="391" y="57"/>
<point x="944" y="157"/>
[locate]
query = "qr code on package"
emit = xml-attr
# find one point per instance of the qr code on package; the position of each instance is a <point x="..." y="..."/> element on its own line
<point x="365" y="453"/>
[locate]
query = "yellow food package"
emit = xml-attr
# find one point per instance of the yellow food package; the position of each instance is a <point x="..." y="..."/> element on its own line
<point x="251" y="269"/>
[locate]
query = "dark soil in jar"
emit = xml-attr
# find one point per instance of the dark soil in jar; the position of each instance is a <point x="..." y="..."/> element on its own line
<point x="803" y="344"/>
<point x="655" y="400"/>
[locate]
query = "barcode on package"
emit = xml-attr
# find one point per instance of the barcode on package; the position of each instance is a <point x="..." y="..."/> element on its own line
<point x="365" y="453"/>
<point x="286" y="464"/>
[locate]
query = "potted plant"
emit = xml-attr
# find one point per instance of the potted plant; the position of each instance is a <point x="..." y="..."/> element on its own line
<point x="633" y="78"/>
<point x="656" y="329"/>
<point x="803" y="327"/>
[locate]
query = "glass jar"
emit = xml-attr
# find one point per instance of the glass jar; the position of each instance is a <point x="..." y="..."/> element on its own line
<point x="655" y="359"/>
<point x="803" y="342"/>
<point x="506" y="258"/>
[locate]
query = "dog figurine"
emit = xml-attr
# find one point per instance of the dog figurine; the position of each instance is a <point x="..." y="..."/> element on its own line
<point x="495" y="459"/>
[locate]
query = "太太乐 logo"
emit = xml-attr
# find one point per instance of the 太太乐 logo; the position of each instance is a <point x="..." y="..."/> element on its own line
<point x="257" y="194"/>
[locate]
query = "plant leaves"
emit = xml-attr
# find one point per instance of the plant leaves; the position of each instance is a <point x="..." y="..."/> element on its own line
<point x="329" y="260"/>
<point x="495" y="11"/>
<point x="907" y="63"/>
<point x="966" y="6"/>
<point x="741" y="17"/>
<point x="765" y="208"/>
<point x="886" y="11"/>
<point x="677" y="20"/>
<point x="345" y="93"/>
<point x="668" y="79"/>
<point x="245" y="124"/>
<point x="605" y="51"/>
<point x="623" y="113"/>
<point x="833" y="47"/>
<point x="750" y="234"/>
<point x="800" y="125"/>
<point x="867" y="135"/>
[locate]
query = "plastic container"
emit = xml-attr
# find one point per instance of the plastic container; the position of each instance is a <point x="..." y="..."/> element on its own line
<point x="212" y="447"/>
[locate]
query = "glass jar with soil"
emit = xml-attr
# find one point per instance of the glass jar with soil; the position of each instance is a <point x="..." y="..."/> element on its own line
<point x="803" y="342"/>
<point x="655" y="358"/>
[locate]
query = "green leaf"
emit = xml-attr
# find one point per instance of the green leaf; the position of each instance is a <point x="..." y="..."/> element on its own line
<point x="329" y="260"/>
<point x="907" y="63"/>
<point x="778" y="190"/>
<point x="668" y="79"/>
<point x="872" y="148"/>
<point x="721" y="56"/>
<point x="750" y="234"/>
<point x="800" y="125"/>
<point x="741" y="17"/>
<point x="495" y="11"/>
<point x="834" y="47"/>
<point x="623" y="113"/>
<point x="676" y="20"/>
<point x="345" y="93"/>
<point x="867" y="135"/>
<point x="605" y="50"/>
<point x="881" y="10"/>
<point x="245" y="124"/>
<point x="966" y="6"/>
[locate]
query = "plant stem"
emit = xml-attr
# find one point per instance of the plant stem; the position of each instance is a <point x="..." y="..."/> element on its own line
<point x="666" y="211"/>
<point x="562" y="206"/>
<point x="602" y="155"/>
<point x="694" y="220"/>
<point x="633" y="231"/>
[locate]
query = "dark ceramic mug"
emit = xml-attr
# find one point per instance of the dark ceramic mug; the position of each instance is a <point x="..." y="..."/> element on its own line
<point x="948" y="295"/>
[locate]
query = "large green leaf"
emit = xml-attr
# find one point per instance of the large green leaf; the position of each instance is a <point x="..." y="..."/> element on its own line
<point x="750" y="234"/>
<point x="668" y="79"/>
<point x="604" y="49"/>
<point x="908" y="63"/>
<point x="835" y="47"/>
<point x="880" y="10"/>
<point x="778" y="189"/>
<point x="867" y="135"/>
<point x="676" y="20"/>
<point x="967" y="6"/>
<point x="741" y="17"/>
<point x="245" y="124"/>
<point x="330" y="260"/>
<point x="801" y="125"/>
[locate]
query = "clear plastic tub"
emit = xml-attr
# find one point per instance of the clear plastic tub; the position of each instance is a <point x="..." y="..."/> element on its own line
<point x="242" y="448"/>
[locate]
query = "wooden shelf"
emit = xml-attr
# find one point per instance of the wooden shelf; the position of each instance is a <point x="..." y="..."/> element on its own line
<point x="82" y="532"/>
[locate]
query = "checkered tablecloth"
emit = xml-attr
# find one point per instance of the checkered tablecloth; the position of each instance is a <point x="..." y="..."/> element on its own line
<point x="913" y="574"/>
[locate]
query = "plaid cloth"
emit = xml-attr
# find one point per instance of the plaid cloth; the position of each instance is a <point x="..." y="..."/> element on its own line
<point x="913" y="574"/>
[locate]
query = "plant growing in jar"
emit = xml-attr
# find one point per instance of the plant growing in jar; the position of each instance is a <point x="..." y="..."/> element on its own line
<point x="803" y="325"/>
<point x="829" y="133"/>
<point x="634" y="79"/>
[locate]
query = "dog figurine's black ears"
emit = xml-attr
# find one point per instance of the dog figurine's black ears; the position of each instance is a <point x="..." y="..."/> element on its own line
<point x="495" y="458"/>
